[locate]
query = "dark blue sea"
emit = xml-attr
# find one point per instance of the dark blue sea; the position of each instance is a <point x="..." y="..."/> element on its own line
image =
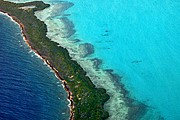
<point x="28" y="88"/>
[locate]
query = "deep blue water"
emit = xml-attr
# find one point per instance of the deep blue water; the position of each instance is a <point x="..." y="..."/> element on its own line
<point x="28" y="90"/>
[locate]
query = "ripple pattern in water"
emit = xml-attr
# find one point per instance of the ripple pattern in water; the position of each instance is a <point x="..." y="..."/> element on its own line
<point x="28" y="88"/>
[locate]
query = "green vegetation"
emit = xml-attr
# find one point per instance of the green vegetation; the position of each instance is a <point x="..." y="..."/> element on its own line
<point x="88" y="100"/>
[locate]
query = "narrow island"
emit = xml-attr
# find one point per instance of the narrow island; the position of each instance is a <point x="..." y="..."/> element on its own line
<point x="86" y="101"/>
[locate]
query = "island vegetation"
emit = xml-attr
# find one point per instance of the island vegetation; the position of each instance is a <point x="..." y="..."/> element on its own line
<point x="87" y="101"/>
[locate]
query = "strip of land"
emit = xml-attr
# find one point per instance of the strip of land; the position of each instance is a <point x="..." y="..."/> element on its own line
<point x="86" y="100"/>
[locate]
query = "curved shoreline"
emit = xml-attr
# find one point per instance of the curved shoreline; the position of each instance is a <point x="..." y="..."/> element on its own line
<point x="64" y="83"/>
<point x="124" y="105"/>
<point x="128" y="108"/>
<point x="86" y="100"/>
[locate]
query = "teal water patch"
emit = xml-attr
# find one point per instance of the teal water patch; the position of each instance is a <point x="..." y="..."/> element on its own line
<point x="139" y="40"/>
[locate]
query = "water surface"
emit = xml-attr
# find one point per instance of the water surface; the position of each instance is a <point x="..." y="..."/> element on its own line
<point x="139" y="40"/>
<point x="28" y="90"/>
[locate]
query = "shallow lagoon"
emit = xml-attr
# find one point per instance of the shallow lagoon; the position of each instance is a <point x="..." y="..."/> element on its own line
<point x="139" y="40"/>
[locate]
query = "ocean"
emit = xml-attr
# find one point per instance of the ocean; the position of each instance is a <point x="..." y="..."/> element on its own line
<point x="135" y="40"/>
<point x="29" y="89"/>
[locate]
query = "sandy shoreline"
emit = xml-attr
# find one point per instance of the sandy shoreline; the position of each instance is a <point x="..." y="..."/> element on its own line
<point x="64" y="83"/>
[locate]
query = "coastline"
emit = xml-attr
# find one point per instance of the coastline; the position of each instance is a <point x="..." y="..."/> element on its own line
<point x="131" y="115"/>
<point x="134" y="107"/>
<point x="117" y="104"/>
<point x="120" y="105"/>
<point x="87" y="92"/>
<point x="125" y="109"/>
<point x="64" y="83"/>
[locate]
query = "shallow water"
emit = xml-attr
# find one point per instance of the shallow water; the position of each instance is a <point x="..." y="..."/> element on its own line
<point x="28" y="90"/>
<point x="139" y="40"/>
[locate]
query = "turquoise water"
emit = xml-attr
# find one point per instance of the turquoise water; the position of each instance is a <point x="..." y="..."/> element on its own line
<point x="139" y="40"/>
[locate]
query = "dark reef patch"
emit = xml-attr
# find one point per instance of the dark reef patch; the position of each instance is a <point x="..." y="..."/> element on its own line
<point x="86" y="49"/>
<point x="61" y="7"/>
<point x="69" y="27"/>
<point x="96" y="63"/>
<point x="136" y="109"/>
<point x="76" y="40"/>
